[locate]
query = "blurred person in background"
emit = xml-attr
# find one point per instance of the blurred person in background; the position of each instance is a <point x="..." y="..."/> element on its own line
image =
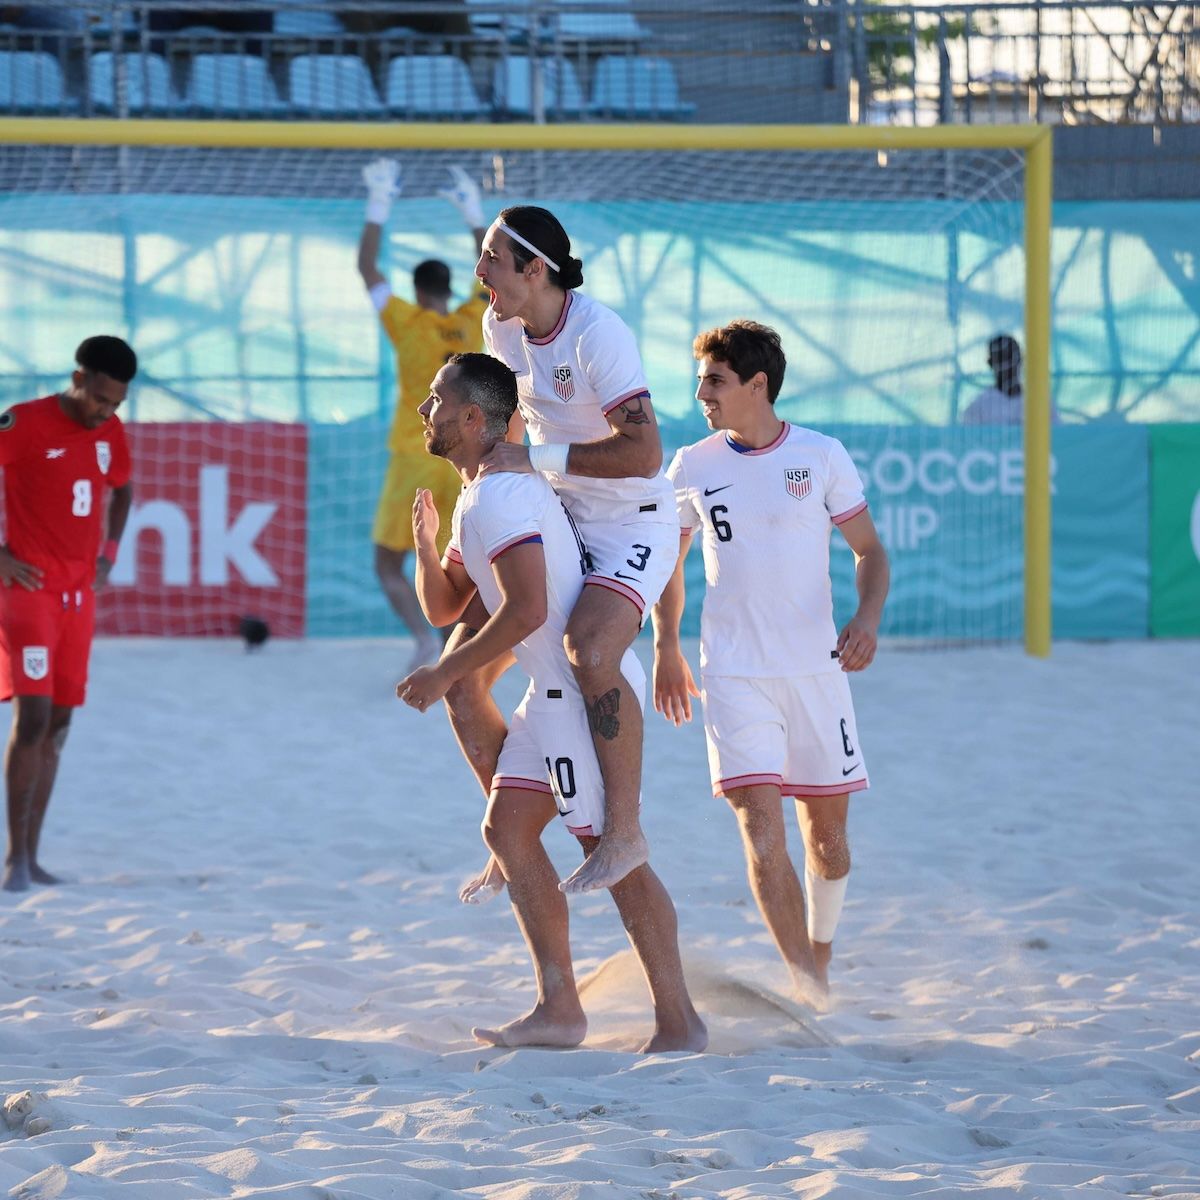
<point x="424" y="333"/>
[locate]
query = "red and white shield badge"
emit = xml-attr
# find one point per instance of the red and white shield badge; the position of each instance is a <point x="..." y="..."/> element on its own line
<point x="564" y="385"/>
<point x="799" y="482"/>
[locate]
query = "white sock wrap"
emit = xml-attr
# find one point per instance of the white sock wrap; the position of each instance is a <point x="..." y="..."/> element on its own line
<point x="825" y="899"/>
<point x="550" y="456"/>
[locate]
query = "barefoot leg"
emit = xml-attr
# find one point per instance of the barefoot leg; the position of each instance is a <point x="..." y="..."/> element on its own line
<point x="602" y="627"/>
<point x="823" y="822"/>
<point x="513" y="831"/>
<point x="773" y="878"/>
<point x="649" y="919"/>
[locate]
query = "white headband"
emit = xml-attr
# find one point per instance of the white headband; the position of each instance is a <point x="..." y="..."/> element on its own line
<point x="516" y="237"/>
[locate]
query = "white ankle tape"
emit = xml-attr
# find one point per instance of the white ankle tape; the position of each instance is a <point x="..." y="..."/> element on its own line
<point x="825" y="899"/>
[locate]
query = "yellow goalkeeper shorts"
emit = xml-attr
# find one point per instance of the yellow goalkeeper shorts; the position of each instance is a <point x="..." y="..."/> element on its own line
<point x="406" y="473"/>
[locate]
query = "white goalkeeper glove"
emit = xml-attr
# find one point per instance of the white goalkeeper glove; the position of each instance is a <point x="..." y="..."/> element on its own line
<point x="465" y="196"/>
<point x="382" y="178"/>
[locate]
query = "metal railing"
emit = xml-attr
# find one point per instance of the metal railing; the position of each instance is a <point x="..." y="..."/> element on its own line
<point x="1055" y="61"/>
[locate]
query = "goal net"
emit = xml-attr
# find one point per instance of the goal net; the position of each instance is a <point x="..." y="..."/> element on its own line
<point x="260" y="413"/>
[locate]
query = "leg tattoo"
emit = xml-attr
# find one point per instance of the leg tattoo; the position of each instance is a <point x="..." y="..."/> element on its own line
<point x="602" y="715"/>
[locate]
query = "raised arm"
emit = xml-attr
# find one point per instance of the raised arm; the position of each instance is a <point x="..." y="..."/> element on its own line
<point x="465" y="195"/>
<point x="521" y="575"/>
<point x="872" y="574"/>
<point x="673" y="682"/>
<point x="382" y="178"/>
<point x="444" y="589"/>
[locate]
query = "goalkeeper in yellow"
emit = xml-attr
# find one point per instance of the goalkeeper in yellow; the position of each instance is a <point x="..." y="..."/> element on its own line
<point x="424" y="334"/>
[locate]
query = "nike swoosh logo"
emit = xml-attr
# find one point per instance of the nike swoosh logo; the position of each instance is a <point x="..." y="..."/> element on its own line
<point x="849" y="770"/>
<point x="631" y="578"/>
<point x="714" y="491"/>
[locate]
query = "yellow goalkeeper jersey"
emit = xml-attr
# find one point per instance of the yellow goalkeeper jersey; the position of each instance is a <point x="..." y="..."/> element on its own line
<point x="423" y="340"/>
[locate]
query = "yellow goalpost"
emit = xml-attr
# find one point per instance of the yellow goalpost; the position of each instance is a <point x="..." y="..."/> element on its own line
<point x="1033" y="142"/>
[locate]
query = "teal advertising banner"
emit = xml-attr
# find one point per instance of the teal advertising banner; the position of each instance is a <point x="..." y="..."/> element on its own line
<point x="1175" y="531"/>
<point x="948" y="503"/>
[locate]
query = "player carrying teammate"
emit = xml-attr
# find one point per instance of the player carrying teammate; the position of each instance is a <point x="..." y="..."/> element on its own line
<point x="423" y="335"/>
<point x="778" y="717"/>
<point x="514" y="543"/>
<point x="60" y="454"/>
<point x="586" y="406"/>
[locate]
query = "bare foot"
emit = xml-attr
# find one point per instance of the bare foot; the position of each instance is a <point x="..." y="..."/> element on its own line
<point x="812" y="983"/>
<point x="537" y="1028"/>
<point x="608" y="864"/>
<point x="39" y="874"/>
<point x="690" y="1034"/>
<point x="487" y="885"/>
<point x="16" y="875"/>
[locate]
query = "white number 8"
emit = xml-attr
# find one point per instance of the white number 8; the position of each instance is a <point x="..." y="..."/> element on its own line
<point x="81" y="504"/>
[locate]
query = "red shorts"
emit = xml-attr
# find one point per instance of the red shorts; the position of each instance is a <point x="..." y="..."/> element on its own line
<point x="45" y="641"/>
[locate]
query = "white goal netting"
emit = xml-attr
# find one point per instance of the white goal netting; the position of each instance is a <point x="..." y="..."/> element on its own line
<point x="260" y="413"/>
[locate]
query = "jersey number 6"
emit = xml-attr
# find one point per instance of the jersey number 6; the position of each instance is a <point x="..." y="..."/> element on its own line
<point x="722" y="529"/>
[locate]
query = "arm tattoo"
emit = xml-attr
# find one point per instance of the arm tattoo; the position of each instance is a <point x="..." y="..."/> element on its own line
<point x="635" y="411"/>
<point x="602" y="714"/>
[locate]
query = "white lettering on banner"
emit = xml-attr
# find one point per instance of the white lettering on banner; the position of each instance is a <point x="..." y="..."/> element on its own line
<point x="221" y="543"/>
<point x="1196" y="525"/>
<point x="906" y="526"/>
<point x="171" y="523"/>
<point x="939" y="472"/>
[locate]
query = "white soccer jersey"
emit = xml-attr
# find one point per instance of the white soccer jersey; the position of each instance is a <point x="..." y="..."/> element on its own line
<point x="766" y="517"/>
<point x="497" y="512"/>
<point x="567" y="383"/>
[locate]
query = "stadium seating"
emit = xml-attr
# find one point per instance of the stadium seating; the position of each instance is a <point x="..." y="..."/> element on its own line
<point x="642" y="88"/>
<point x="232" y="83"/>
<point x="31" y="81"/>
<point x="431" y="85"/>
<point x="332" y="83"/>
<point x="148" y="85"/>
<point x="513" y="88"/>
<point x="500" y="19"/>
<point x="616" y="25"/>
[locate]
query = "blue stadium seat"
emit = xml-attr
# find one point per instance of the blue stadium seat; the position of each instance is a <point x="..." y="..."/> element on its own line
<point x="617" y="25"/>
<point x="147" y="83"/>
<point x="31" y="80"/>
<point x="561" y="93"/>
<point x="301" y="22"/>
<point x="332" y="83"/>
<point x="232" y="83"/>
<point x="499" y="18"/>
<point x="432" y="85"/>
<point x="627" y="86"/>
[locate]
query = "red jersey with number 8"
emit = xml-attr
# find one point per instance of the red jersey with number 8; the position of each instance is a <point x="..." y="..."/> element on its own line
<point x="55" y="475"/>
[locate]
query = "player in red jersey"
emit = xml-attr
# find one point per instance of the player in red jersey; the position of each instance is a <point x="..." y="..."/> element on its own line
<point x="60" y="454"/>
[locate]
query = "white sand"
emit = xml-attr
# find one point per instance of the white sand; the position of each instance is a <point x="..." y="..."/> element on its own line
<point x="261" y="983"/>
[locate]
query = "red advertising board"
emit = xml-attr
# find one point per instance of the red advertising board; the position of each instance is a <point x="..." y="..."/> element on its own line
<point x="217" y="531"/>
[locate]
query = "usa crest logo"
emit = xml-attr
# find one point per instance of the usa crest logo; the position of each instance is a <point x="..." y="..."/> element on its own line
<point x="36" y="661"/>
<point x="564" y="385"/>
<point x="799" y="482"/>
<point x="103" y="456"/>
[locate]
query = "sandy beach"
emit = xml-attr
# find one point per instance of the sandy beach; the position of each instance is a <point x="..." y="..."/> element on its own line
<point x="259" y="982"/>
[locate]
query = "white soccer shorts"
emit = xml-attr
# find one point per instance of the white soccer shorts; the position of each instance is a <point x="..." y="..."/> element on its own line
<point x="797" y="733"/>
<point x="634" y="558"/>
<point x="549" y="749"/>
